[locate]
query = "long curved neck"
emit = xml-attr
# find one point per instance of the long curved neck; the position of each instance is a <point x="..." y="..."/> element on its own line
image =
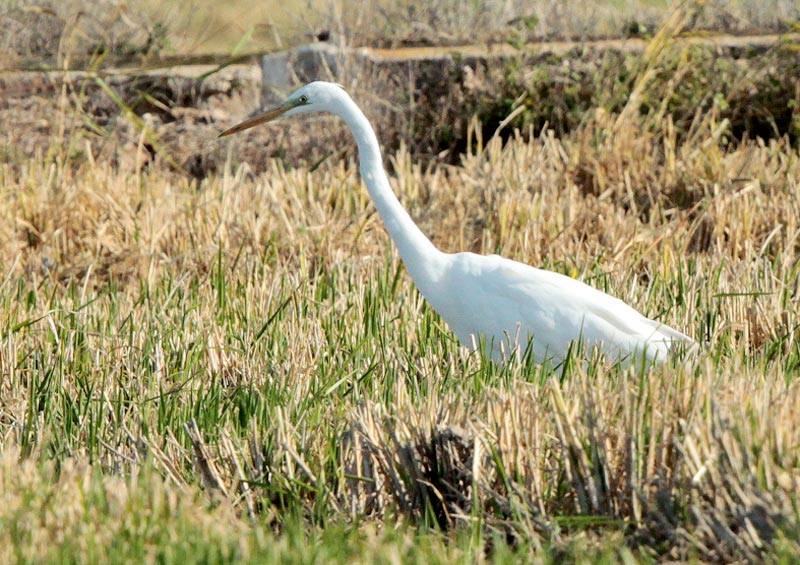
<point x="415" y="249"/>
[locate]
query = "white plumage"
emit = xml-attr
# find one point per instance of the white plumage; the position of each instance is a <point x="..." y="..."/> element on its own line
<point x="489" y="299"/>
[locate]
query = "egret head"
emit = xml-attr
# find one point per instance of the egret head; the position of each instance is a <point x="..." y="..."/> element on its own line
<point x="314" y="97"/>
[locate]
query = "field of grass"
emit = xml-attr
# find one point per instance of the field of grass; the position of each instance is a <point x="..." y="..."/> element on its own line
<point x="238" y="369"/>
<point x="78" y="33"/>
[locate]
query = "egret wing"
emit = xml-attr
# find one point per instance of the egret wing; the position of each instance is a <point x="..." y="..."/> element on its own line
<point x="555" y="310"/>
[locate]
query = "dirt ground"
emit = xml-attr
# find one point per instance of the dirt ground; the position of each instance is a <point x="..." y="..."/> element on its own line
<point x="173" y="116"/>
<point x="132" y="119"/>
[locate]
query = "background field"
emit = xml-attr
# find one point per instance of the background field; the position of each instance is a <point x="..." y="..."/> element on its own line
<point x="209" y="355"/>
<point x="45" y="33"/>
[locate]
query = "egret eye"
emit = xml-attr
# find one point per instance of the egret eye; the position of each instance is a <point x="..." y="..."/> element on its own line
<point x="303" y="99"/>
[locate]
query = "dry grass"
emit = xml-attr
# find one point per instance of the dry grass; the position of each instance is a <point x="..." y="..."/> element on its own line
<point x="133" y="303"/>
<point x="239" y="369"/>
<point x="75" y="33"/>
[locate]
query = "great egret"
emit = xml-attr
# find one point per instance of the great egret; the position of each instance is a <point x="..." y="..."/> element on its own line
<point x="497" y="302"/>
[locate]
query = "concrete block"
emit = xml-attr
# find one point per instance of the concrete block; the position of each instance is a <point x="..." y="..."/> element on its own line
<point x="284" y="71"/>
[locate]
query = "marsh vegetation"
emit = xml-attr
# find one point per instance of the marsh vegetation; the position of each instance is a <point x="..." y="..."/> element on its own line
<point x="233" y="365"/>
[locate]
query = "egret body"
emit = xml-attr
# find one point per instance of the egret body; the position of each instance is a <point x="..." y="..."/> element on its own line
<point x="488" y="299"/>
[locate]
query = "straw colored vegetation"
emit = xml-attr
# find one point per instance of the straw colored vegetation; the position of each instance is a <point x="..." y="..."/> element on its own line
<point x="49" y="33"/>
<point x="238" y="369"/>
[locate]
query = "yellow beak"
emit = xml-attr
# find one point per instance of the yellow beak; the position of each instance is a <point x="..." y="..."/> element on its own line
<point x="267" y="116"/>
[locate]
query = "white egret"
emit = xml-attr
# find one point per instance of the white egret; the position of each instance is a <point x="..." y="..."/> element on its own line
<point x="500" y="303"/>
